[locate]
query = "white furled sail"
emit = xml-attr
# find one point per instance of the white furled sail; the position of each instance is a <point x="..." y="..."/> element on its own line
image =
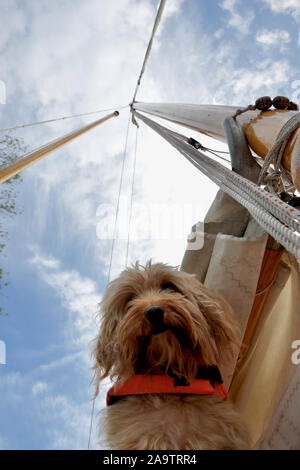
<point x="207" y="119"/>
<point x="260" y="128"/>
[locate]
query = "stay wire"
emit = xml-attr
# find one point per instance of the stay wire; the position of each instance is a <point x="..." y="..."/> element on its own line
<point x="216" y="155"/>
<point x="91" y="422"/>
<point x="215" y="152"/>
<point x="132" y="192"/>
<point x="62" y="118"/>
<point x="118" y="202"/>
<point x="112" y="250"/>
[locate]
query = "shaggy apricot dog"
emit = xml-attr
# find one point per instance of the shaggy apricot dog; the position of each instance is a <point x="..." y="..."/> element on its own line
<point x="161" y="338"/>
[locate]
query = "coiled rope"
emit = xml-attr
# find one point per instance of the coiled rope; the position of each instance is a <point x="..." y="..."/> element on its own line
<point x="275" y="154"/>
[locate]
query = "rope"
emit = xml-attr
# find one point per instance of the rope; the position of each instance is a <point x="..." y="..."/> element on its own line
<point x="131" y="197"/>
<point x="91" y="422"/>
<point x="61" y="118"/>
<point x="274" y="215"/>
<point x="268" y="286"/>
<point x="275" y="154"/>
<point x="279" y="231"/>
<point x="156" y="23"/>
<point x="278" y="179"/>
<point x="198" y="145"/>
<point x="111" y="252"/>
<point x="118" y="202"/>
<point x="213" y="152"/>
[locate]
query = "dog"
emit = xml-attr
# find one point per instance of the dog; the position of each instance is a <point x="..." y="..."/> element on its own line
<point x="161" y="338"/>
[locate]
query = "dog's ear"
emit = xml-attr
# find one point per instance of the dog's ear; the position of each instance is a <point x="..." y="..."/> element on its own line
<point x="221" y="321"/>
<point x="105" y="344"/>
<point x="105" y="347"/>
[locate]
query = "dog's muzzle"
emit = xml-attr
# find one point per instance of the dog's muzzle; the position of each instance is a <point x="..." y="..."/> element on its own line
<point x="155" y="315"/>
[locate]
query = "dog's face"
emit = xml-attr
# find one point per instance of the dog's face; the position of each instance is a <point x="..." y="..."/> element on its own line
<point x="156" y="319"/>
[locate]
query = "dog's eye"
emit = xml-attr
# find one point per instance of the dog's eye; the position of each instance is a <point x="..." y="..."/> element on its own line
<point x="169" y="286"/>
<point x="130" y="299"/>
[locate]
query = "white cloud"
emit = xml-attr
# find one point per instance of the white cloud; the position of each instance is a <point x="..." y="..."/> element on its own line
<point x="73" y="420"/>
<point x="39" y="388"/>
<point x="285" y="6"/>
<point x="10" y="386"/>
<point x="246" y="85"/>
<point x="54" y="420"/>
<point x="3" y="443"/>
<point x="66" y="360"/>
<point x="9" y="9"/>
<point x="240" y="22"/>
<point x="79" y="296"/>
<point x="273" y="38"/>
<point x="11" y="379"/>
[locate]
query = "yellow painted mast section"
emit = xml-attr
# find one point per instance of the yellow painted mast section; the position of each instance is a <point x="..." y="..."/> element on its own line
<point x="38" y="154"/>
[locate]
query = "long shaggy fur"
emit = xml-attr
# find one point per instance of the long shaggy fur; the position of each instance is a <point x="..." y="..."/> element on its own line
<point x="199" y="326"/>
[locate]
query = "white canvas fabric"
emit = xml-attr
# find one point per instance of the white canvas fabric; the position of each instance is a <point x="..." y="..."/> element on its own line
<point x="266" y="389"/>
<point x="284" y="430"/>
<point x="228" y="263"/>
<point x="267" y="371"/>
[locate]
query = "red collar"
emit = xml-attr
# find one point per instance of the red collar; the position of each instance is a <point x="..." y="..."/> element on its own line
<point x="143" y="384"/>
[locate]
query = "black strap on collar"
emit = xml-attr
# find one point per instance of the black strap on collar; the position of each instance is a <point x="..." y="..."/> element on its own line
<point x="211" y="373"/>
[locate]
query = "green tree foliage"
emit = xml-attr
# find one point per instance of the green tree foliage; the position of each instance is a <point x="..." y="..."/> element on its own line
<point x="11" y="149"/>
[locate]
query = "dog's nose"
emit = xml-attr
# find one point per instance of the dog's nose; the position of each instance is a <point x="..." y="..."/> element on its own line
<point x="154" y="314"/>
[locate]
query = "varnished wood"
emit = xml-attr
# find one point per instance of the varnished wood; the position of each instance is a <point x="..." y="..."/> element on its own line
<point x="38" y="154"/>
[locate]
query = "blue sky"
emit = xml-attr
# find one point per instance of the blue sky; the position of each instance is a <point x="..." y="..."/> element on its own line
<point x="59" y="58"/>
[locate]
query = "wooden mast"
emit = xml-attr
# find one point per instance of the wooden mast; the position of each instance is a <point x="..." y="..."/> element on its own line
<point x="38" y="154"/>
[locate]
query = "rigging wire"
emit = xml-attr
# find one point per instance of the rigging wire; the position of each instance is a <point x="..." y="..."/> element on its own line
<point x="62" y="118"/>
<point x="201" y="147"/>
<point x="155" y="26"/>
<point x="112" y="251"/>
<point x="205" y="149"/>
<point x="118" y="202"/>
<point x="131" y="197"/>
<point x="91" y="422"/>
